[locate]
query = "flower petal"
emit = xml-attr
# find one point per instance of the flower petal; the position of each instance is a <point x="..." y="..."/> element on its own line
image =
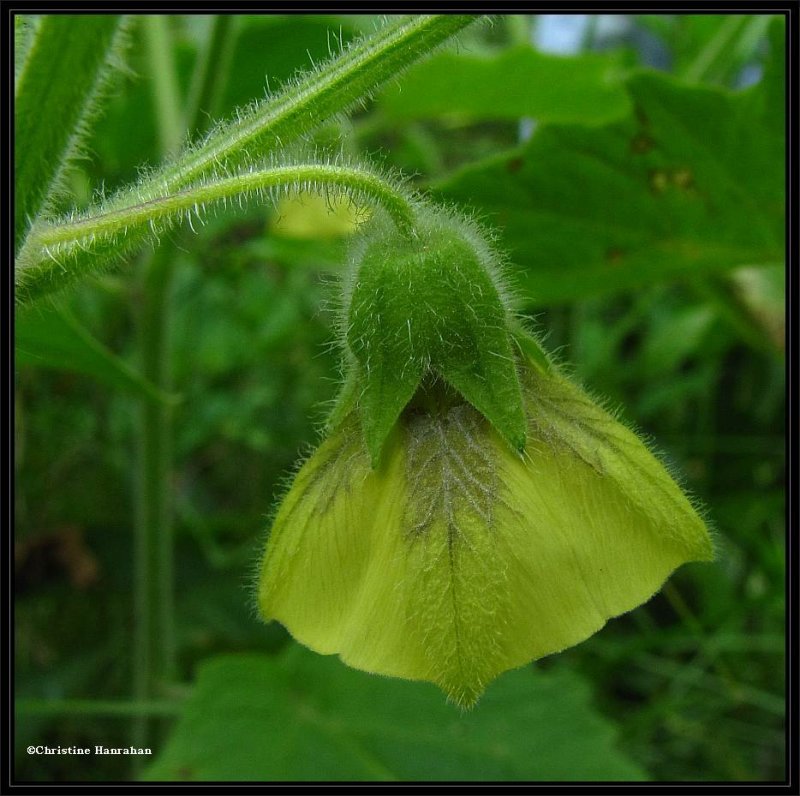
<point x="394" y="569"/>
<point x="457" y="559"/>
<point x="317" y="551"/>
<point x="590" y="525"/>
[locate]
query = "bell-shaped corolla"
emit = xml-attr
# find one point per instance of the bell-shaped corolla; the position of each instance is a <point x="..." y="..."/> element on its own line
<point x="461" y="534"/>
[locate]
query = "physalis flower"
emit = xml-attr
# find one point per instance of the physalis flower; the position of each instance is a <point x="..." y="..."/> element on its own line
<point x="470" y="509"/>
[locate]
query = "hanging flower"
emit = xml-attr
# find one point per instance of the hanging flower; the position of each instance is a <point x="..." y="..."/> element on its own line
<point x="471" y="509"/>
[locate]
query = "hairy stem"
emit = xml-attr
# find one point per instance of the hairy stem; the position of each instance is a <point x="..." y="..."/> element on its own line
<point x="56" y="252"/>
<point x="330" y="89"/>
<point x="76" y="249"/>
<point x="312" y="176"/>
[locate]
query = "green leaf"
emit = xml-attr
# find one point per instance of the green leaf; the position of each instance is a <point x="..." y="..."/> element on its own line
<point x="53" y="338"/>
<point x="56" y="93"/>
<point x="305" y="717"/>
<point x="691" y="183"/>
<point x="517" y="82"/>
<point x="752" y="299"/>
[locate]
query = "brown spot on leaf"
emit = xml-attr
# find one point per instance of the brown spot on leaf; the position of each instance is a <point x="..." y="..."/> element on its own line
<point x="658" y="179"/>
<point x="614" y="256"/>
<point x="683" y="178"/>
<point x="514" y="164"/>
<point x="641" y="143"/>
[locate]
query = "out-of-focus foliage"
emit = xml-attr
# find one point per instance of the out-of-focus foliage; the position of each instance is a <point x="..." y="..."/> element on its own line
<point x="328" y="722"/>
<point x="627" y="232"/>
<point x="53" y="337"/>
<point x="587" y="88"/>
<point x="689" y="183"/>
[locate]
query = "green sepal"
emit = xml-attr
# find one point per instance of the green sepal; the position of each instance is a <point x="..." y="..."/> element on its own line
<point x="493" y="389"/>
<point x="345" y="401"/>
<point x="386" y="392"/>
<point x="431" y="305"/>
<point x="530" y="347"/>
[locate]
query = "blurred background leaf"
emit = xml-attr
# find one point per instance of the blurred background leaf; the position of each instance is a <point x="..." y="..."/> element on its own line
<point x="51" y="336"/>
<point x="690" y="183"/>
<point x="307" y="717"/>
<point x="586" y="88"/>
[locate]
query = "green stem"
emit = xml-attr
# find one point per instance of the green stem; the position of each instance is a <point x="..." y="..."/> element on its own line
<point x="56" y="253"/>
<point x="154" y="642"/>
<point x="206" y="89"/>
<point x="154" y="652"/>
<point x="312" y="176"/>
<point x="734" y="40"/>
<point x="330" y="89"/>
<point x="165" y="84"/>
<point x="703" y="63"/>
<point x="327" y="90"/>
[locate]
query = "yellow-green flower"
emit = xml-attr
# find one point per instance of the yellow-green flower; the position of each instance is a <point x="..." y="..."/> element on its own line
<point x="452" y="556"/>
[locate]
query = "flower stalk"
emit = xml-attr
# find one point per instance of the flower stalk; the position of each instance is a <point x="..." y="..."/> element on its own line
<point x="220" y="167"/>
<point x="56" y="252"/>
